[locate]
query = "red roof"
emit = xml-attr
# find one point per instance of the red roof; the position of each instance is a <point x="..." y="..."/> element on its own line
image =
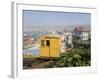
<point x="81" y="29"/>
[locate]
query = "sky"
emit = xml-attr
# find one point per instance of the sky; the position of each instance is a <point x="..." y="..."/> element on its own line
<point x="31" y="19"/>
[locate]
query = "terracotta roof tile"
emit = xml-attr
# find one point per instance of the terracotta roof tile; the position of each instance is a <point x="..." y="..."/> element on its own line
<point x="80" y="29"/>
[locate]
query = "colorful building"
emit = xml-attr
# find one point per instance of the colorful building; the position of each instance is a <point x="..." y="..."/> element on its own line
<point x="28" y="40"/>
<point x="80" y="34"/>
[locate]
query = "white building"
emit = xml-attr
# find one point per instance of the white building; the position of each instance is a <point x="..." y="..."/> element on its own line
<point x="66" y="40"/>
<point x="80" y="34"/>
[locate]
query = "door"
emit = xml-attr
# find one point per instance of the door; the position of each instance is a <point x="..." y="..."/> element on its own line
<point x="45" y="48"/>
<point x="54" y="48"/>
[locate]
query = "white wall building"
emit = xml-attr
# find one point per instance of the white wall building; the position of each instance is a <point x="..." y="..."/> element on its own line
<point x="80" y="33"/>
<point x="66" y="40"/>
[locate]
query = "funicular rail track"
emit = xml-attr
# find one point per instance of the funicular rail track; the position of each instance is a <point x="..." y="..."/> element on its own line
<point x="33" y="63"/>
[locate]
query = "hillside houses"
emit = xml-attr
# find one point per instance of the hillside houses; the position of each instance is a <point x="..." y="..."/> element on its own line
<point x="80" y="33"/>
<point x="81" y="37"/>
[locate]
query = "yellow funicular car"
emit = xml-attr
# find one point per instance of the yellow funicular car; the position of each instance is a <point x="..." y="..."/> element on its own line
<point x="50" y="46"/>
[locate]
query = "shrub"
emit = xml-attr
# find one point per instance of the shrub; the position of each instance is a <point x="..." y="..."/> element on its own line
<point x="76" y="57"/>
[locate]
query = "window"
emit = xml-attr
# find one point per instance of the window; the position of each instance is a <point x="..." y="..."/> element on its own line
<point x="42" y="43"/>
<point x="47" y="43"/>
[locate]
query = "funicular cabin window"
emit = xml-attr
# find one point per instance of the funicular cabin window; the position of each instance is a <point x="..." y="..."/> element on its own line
<point x="42" y="43"/>
<point x="48" y="43"/>
<point x="45" y="43"/>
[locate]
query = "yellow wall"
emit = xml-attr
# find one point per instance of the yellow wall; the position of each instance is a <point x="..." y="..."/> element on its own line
<point x="50" y="51"/>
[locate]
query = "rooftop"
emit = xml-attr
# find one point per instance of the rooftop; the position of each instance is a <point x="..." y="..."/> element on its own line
<point x="81" y="29"/>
